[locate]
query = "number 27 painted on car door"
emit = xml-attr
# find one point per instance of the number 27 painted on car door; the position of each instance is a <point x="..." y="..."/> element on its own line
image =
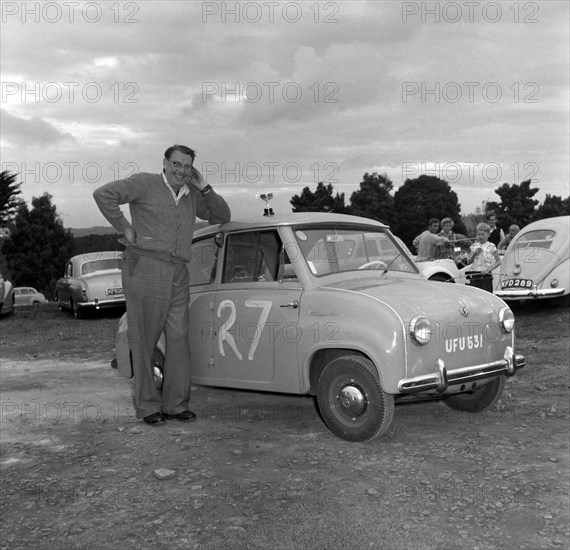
<point x="252" y="342"/>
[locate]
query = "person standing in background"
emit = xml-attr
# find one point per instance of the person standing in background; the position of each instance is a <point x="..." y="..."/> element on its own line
<point x="484" y="257"/>
<point x="513" y="230"/>
<point x="429" y="242"/>
<point x="497" y="234"/>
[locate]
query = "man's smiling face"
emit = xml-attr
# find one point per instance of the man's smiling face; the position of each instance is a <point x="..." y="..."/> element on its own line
<point x="178" y="168"/>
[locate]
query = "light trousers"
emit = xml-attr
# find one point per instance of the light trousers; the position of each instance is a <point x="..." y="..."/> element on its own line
<point x="157" y="295"/>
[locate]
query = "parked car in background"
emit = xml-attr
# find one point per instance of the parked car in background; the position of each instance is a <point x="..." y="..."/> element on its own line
<point x="444" y="269"/>
<point x="536" y="264"/>
<point x="27" y="296"/>
<point x="91" y="281"/>
<point x="333" y="306"/>
<point x="7" y="296"/>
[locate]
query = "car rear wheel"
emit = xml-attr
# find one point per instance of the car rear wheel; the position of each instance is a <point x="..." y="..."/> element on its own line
<point x="478" y="400"/>
<point x="351" y="401"/>
<point x="77" y="313"/>
<point x="157" y="367"/>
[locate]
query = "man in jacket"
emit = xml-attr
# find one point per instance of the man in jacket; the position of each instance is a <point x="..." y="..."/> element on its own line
<point x="158" y="240"/>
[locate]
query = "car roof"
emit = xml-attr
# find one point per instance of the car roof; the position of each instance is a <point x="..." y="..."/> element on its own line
<point x="92" y="256"/>
<point x="558" y="224"/>
<point x="287" y="219"/>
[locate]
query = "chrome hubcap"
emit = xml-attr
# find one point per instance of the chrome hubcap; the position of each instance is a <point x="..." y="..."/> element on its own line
<point x="352" y="400"/>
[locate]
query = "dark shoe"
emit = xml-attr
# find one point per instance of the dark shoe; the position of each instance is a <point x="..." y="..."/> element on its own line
<point x="184" y="416"/>
<point x="154" y="419"/>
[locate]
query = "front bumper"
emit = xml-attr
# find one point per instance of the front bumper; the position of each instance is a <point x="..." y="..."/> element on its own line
<point x="442" y="378"/>
<point x="533" y="292"/>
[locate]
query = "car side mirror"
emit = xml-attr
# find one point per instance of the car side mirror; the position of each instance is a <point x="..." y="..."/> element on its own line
<point x="219" y="239"/>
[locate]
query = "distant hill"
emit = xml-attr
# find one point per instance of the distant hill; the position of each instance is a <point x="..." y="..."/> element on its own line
<point x="108" y="230"/>
<point x="97" y="230"/>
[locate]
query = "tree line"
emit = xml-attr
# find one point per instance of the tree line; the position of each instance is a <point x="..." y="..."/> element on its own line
<point x="35" y="245"/>
<point x="408" y="210"/>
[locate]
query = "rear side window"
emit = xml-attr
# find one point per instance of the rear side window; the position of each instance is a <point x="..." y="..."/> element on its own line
<point x="202" y="266"/>
<point x="252" y="256"/>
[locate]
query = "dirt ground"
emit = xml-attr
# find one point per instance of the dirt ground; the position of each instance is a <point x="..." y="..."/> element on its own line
<point x="260" y="471"/>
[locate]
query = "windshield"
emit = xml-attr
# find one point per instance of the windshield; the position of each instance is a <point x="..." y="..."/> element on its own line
<point x="335" y="250"/>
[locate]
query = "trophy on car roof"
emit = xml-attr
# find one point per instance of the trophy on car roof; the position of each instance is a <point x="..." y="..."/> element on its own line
<point x="267" y="211"/>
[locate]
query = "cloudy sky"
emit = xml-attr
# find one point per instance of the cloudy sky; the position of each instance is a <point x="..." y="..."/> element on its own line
<point x="275" y="96"/>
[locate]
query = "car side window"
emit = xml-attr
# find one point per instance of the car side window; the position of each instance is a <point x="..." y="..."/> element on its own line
<point x="202" y="265"/>
<point x="252" y="256"/>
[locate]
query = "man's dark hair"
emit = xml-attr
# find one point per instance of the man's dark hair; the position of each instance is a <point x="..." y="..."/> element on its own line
<point x="433" y="220"/>
<point x="181" y="149"/>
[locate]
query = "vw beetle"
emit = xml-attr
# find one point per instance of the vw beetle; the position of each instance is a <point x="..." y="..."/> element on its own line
<point x="536" y="264"/>
<point x="333" y="306"/>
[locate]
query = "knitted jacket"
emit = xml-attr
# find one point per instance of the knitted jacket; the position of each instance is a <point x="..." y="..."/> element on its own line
<point x="163" y="228"/>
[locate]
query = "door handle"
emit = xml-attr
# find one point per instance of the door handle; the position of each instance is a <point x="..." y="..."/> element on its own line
<point x="294" y="304"/>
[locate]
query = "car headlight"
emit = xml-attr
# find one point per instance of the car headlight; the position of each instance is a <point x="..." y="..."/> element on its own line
<point x="420" y="329"/>
<point x="507" y="319"/>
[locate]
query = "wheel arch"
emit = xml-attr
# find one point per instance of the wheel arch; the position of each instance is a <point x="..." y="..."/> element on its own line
<point x="441" y="276"/>
<point x="322" y="357"/>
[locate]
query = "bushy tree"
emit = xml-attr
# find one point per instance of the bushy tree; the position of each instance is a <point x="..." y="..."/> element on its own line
<point x="321" y="200"/>
<point x="38" y="245"/>
<point x="516" y="206"/>
<point x="373" y="199"/>
<point x="551" y="207"/>
<point x="9" y="200"/>
<point x="420" y="199"/>
<point x="96" y="243"/>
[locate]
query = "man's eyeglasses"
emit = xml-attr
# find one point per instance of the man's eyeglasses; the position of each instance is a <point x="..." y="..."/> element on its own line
<point x="178" y="165"/>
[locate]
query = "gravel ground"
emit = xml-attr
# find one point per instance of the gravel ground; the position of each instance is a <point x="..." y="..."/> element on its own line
<point x="261" y="470"/>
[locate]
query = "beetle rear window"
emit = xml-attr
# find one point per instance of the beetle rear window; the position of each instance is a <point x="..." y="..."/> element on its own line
<point x="540" y="238"/>
<point x="537" y="235"/>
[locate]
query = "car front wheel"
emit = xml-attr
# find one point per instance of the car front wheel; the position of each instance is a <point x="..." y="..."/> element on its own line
<point x="478" y="400"/>
<point x="351" y="401"/>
